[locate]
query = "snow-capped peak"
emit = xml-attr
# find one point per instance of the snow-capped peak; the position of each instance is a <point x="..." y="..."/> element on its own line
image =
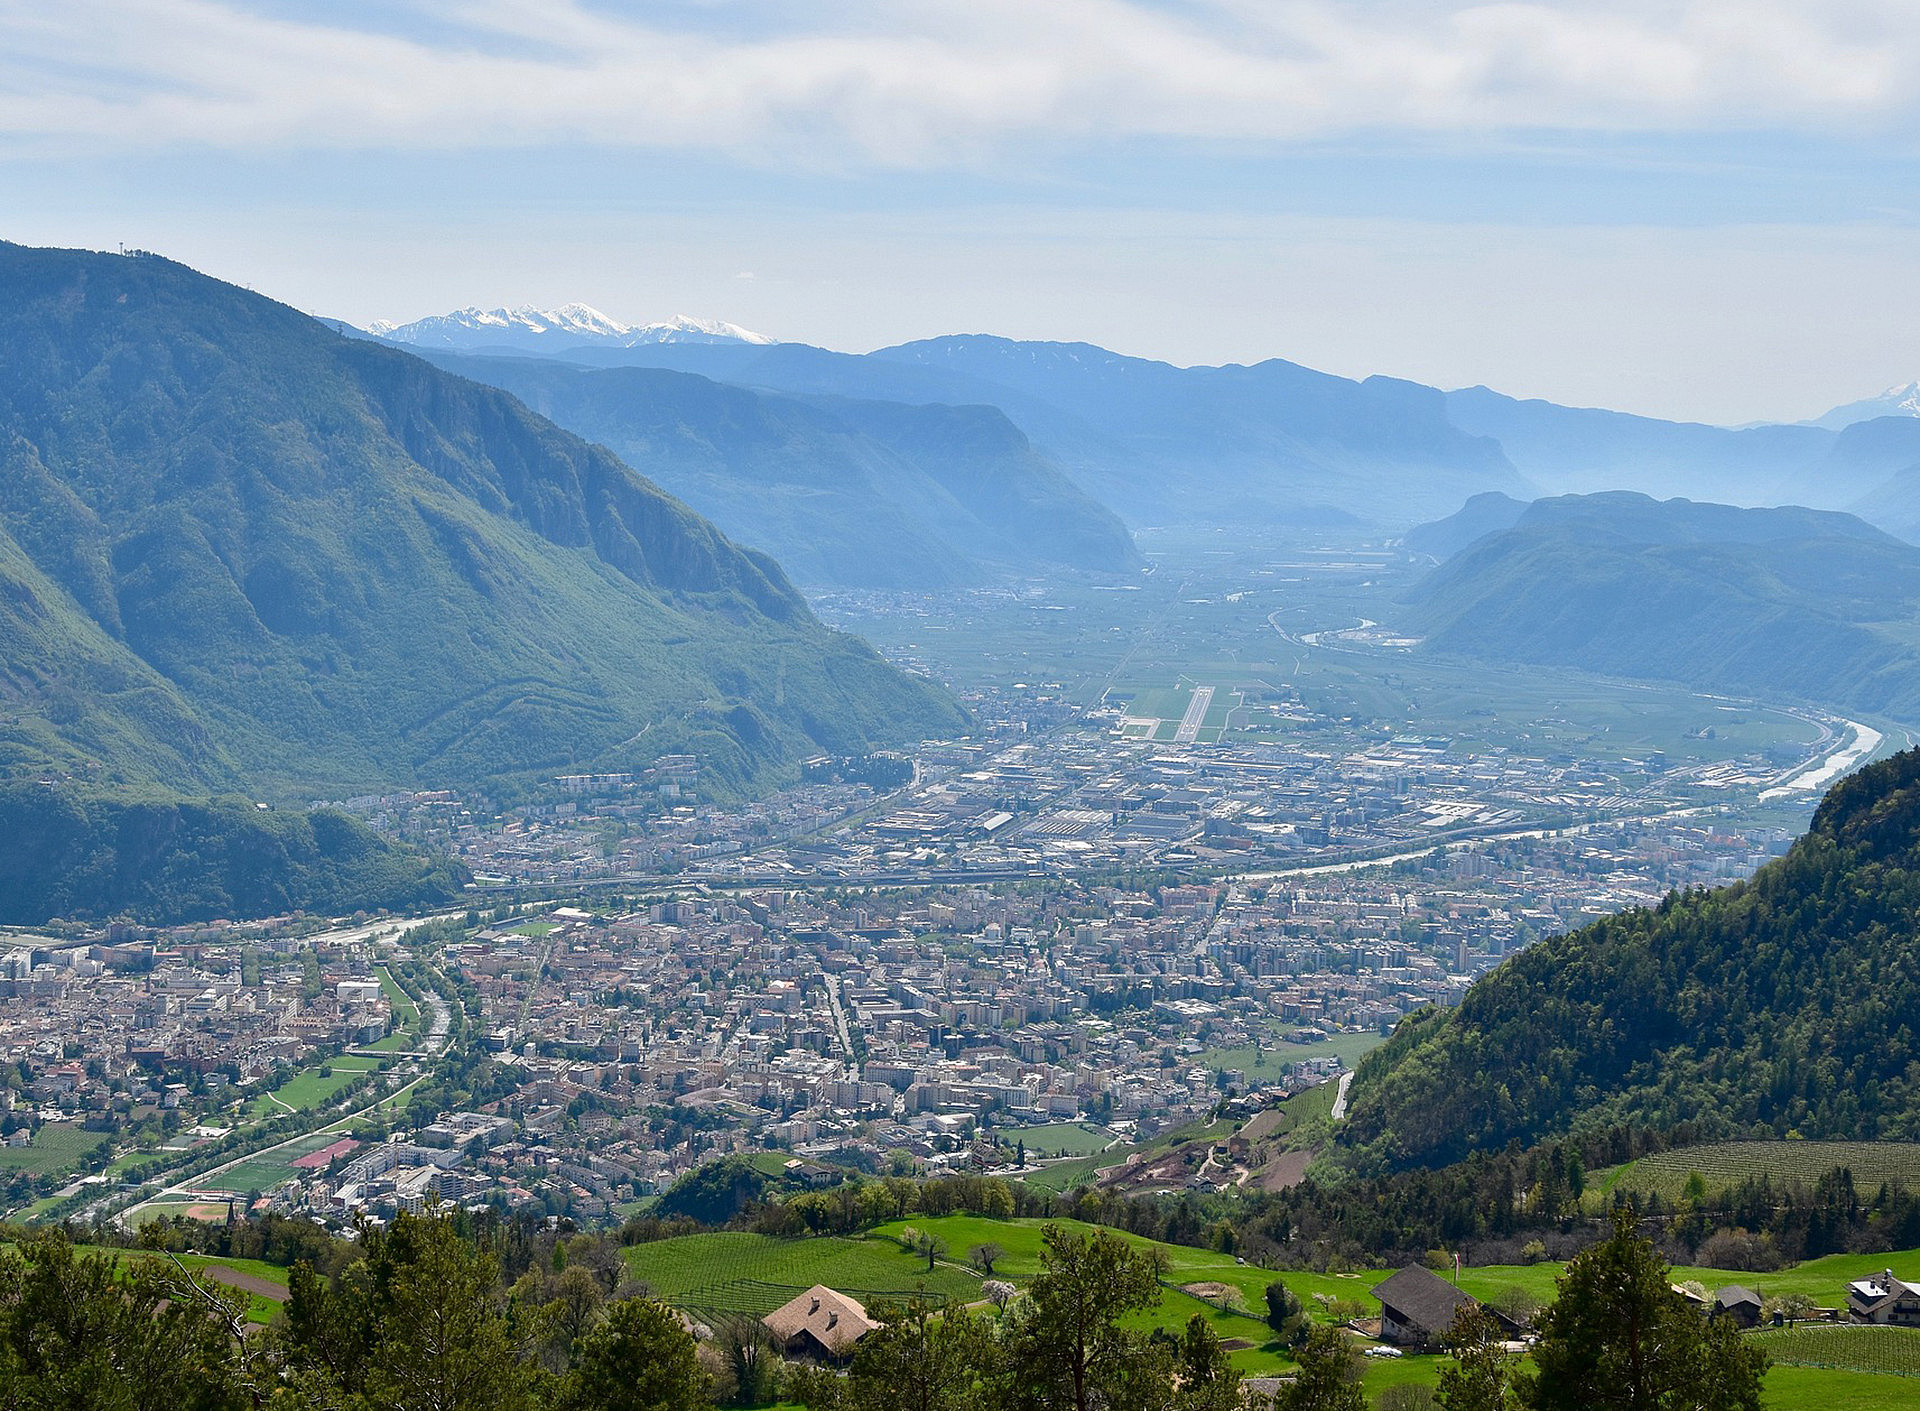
<point x="541" y="330"/>
<point x="1900" y="400"/>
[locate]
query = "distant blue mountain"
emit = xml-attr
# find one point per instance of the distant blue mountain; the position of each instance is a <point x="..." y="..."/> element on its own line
<point x="1774" y="602"/>
<point x="1277" y="443"/>
<point x="842" y="492"/>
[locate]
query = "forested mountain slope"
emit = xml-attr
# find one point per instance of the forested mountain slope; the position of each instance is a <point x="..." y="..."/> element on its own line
<point x="1787" y="1004"/>
<point x="1786" y="602"/>
<point x="236" y="546"/>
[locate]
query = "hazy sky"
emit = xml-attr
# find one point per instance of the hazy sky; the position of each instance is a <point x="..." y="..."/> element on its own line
<point x="1702" y="210"/>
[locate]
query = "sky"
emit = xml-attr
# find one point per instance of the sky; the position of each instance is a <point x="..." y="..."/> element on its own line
<point x="1701" y="209"/>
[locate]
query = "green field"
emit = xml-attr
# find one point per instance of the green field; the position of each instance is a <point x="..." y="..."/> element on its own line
<point x="1725" y="1164"/>
<point x="57" y="1147"/>
<point x="307" y="1089"/>
<point x="398" y="1000"/>
<point x="1267" y="1059"/>
<point x="1059" y="1138"/>
<point x="716" y="1274"/>
<point x="1888" y="1351"/>
<point x="1787" y="1388"/>
<point x="267" y="1170"/>
<point x="713" y="1274"/>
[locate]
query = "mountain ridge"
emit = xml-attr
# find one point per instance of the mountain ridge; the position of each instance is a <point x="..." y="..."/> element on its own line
<point x="569" y="326"/>
<point x="841" y="492"/>
<point x="323" y="564"/>
<point x="1809" y="604"/>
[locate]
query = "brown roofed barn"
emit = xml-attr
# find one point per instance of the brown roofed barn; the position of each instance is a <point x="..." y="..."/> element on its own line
<point x="820" y="1324"/>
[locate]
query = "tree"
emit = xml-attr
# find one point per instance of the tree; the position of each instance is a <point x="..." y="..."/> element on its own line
<point x="418" y="1323"/>
<point x="1789" y="1308"/>
<point x="928" y="1246"/>
<point x="1286" y="1315"/>
<point x="82" y="1331"/>
<point x="639" y="1359"/>
<point x="1069" y="1350"/>
<point x="1329" y="1375"/>
<point x="983" y="1256"/>
<point x="1207" y="1380"/>
<point x="1478" y="1375"/>
<point x="916" y="1361"/>
<point x="748" y="1359"/>
<point x="1618" y="1336"/>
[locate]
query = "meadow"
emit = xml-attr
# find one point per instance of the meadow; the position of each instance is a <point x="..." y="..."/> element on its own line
<point x="1059" y="1138"/>
<point x="710" y="1275"/>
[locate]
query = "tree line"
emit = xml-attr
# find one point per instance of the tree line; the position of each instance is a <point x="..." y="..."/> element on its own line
<point x="427" y="1314"/>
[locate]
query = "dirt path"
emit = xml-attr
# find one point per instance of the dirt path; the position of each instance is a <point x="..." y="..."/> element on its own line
<point x="246" y="1283"/>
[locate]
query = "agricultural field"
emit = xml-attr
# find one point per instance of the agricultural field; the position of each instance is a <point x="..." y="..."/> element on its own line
<point x="1074" y="1171"/>
<point x="1725" y="1164"/>
<point x="57" y="1147"/>
<point x="1846" y="1347"/>
<point x="731" y="1272"/>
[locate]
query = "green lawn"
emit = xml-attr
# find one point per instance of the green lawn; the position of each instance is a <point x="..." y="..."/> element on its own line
<point x="1059" y="1138"/>
<point x="398" y="1000"/>
<point x="57" y="1147"/>
<point x="1266" y="1060"/>
<point x="1819" y="1389"/>
<point x="307" y="1089"/>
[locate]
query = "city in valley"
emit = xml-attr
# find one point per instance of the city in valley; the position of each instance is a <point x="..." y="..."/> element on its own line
<point x="1094" y="938"/>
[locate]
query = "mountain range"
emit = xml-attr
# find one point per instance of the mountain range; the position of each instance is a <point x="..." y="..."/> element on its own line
<point x="240" y="550"/>
<point x="1274" y="442"/>
<point x="1812" y="604"/>
<point x="527" y="329"/>
<point x="842" y="492"/>
<point x="1781" y="1006"/>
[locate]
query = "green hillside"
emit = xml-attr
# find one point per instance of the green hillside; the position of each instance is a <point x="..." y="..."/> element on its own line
<point x="860" y="494"/>
<point x="237" y="547"/>
<point x="164" y="862"/>
<point x="1818" y="606"/>
<point x="1783" y="1006"/>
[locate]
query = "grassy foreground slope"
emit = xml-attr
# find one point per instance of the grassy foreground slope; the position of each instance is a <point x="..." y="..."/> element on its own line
<point x="1783" y="1006"/>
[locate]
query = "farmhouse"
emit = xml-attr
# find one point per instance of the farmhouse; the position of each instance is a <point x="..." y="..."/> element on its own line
<point x="1883" y="1299"/>
<point x="820" y="1324"/>
<point x="1739" y="1303"/>
<point x="1417" y="1307"/>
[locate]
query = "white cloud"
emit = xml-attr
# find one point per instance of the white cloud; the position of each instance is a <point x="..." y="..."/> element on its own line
<point x="939" y="80"/>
